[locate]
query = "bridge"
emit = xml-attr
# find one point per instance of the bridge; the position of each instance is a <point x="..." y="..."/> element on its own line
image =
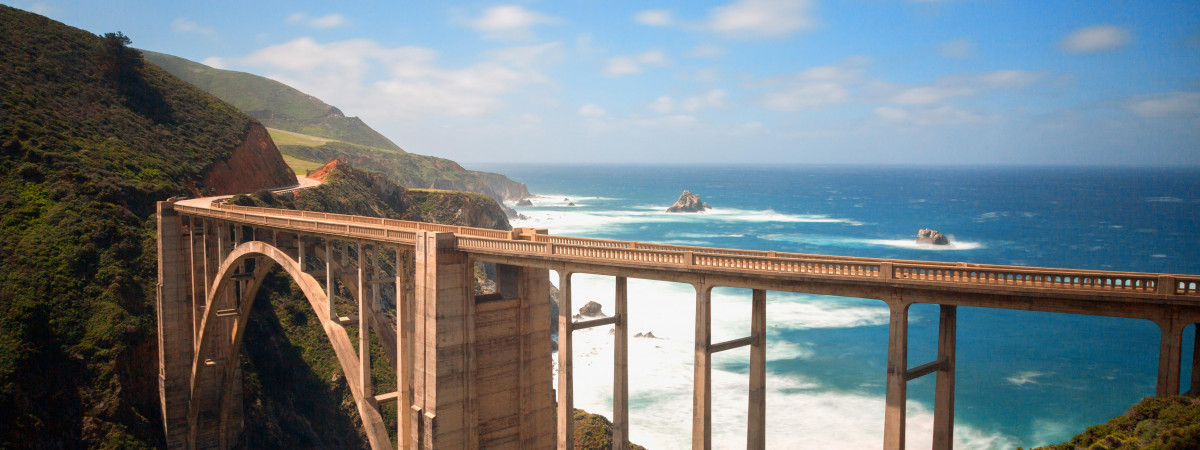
<point x="475" y="371"/>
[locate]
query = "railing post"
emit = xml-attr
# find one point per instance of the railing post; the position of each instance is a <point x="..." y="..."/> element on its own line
<point x="566" y="400"/>
<point x="943" y="400"/>
<point x="756" y="433"/>
<point x="702" y="378"/>
<point x="621" y="367"/>
<point x="897" y="368"/>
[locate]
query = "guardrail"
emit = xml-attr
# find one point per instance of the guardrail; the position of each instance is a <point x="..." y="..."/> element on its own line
<point x="602" y="250"/>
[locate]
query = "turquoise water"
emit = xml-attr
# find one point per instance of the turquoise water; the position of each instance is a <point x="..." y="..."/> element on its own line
<point x="1023" y="378"/>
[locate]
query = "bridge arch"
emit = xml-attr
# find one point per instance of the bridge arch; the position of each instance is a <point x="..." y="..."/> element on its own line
<point x="230" y="299"/>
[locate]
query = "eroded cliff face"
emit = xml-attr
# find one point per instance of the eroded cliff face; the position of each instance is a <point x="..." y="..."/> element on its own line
<point x="460" y="208"/>
<point x="253" y="165"/>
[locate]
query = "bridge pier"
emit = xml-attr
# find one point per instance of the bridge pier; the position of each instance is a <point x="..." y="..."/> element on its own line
<point x="898" y="376"/>
<point x="175" y="335"/>
<point x="702" y="390"/>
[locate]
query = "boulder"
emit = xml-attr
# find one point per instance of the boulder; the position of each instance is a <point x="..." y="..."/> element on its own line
<point x="524" y="202"/>
<point x="571" y="204"/>
<point x="928" y="236"/>
<point x="688" y="203"/>
<point x="591" y="309"/>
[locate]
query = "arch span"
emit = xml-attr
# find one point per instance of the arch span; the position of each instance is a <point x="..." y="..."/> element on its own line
<point x="229" y="301"/>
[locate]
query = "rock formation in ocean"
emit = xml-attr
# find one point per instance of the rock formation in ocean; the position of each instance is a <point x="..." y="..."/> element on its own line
<point x="648" y="334"/>
<point x="570" y="203"/>
<point x="524" y="202"/>
<point x="591" y="309"/>
<point x="688" y="203"/>
<point x="929" y="236"/>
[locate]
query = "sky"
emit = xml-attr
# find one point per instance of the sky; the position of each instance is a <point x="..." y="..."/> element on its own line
<point x="929" y="82"/>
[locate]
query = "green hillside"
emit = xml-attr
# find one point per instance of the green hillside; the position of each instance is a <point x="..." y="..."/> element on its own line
<point x="273" y="103"/>
<point x="91" y="137"/>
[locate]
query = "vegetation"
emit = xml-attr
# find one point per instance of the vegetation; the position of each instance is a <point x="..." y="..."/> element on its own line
<point x="300" y="166"/>
<point x="1155" y="423"/>
<point x="593" y="431"/>
<point x="275" y="104"/>
<point x="91" y="138"/>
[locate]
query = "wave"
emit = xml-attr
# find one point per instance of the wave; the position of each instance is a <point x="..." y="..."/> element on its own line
<point x="835" y="241"/>
<point x="1164" y="200"/>
<point x="801" y="411"/>
<point x="1026" y="377"/>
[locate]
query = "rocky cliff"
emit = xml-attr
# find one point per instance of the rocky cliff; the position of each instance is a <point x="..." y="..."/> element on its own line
<point x="253" y="165"/>
<point x="688" y="203"/>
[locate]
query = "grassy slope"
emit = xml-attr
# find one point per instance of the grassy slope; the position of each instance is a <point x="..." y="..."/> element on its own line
<point x="91" y="138"/>
<point x="275" y="104"/>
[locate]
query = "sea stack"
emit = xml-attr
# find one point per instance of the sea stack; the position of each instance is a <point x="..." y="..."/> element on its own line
<point x="688" y="203"/>
<point x="928" y="236"/>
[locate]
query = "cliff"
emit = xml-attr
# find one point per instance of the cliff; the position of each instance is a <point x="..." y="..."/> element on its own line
<point x="253" y="165"/>
<point x="460" y="208"/>
<point x="91" y="138"/>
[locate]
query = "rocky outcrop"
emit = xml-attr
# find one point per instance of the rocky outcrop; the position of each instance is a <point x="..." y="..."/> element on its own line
<point x="460" y="208"/>
<point x="524" y="202"/>
<point x="647" y="335"/>
<point x="592" y="309"/>
<point x="253" y="165"/>
<point x="931" y="237"/>
<point x="688" y="203"/>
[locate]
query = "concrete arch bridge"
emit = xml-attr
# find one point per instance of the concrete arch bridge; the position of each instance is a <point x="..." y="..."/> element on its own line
<point x="475" y="371"/>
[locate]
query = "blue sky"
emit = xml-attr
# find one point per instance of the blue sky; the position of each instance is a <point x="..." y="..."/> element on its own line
<point x="730" y="81"/>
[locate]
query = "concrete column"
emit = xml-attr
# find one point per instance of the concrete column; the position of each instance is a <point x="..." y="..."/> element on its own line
<point x="1195" y="360"/>
<point x="621" y="367"/>
<point x="1169" y="354"/>
<point x="300" y="252"/>
<point x="537" y="414"/>
<point x="702" y="380"/>
<point x="404" y="341"/>
<point x="445" y="312"/>
<point x="756" y="433"/>
<point x="897" y="368"/>
<point x="330" y="283"/>
<point x="364" y="328"/>
<point x="175" y="335"/>
<point x="943" y="400"/>
<point x="566" y="394"/>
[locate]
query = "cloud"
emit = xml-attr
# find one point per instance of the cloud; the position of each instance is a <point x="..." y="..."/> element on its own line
<point x="1095" y="39"/>
<point x="1008" y="78"/>
<point x="654" y="17"/>
<point x="591" y="110"/>
<point x="182" y="25"/>
<point x="632" y="64"/>
<point x="760" y="18"/>
<point x="1165" y="104"/>
<point x="958" y="48"/>
<point x="709" y="100"/>
<point x="509" y="22"/>
<point x="924" y="116"/>
<point x="707" y="51"/>
<point x="813" y="87"/>
<point x="328" y="21"/>
<point x="397" y="83"/>
<point x="662" y="105"/>
<point x="215" y="62"/>
<point x="924" y="95"/>
<point x="41" y="8"/>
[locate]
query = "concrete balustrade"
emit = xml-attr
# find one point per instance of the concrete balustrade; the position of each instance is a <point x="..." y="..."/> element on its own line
<point x="475" y="371"/>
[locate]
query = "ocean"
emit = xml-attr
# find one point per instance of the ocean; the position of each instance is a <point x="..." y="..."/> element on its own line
<point x="1023" y="378"/>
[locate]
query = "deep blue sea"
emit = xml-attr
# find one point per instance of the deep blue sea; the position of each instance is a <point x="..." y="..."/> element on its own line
<point x="1023" y="378"/>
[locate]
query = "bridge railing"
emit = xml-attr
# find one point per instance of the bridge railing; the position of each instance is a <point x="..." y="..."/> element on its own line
<point x="482" y="239"/>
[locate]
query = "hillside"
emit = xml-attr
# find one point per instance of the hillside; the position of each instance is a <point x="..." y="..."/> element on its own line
<point x="1171" y="423"/>
<point x="91" y="137"/>
<point x="273" y="103"/>
<point x="315" y="132"/>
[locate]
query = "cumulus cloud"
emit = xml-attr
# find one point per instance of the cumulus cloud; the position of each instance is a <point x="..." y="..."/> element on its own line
<point x="215" y="62"/>
<point x="761" y="18"/>
<point x="958" y="48"/>
<point x="1165" y="105"/>
<point x="328" y="21"/>
<point x="509" y="22"/>
<point x="398" y="83"/>
<point x="182" y="25"/>
<point x="591" y="110"/>
<point x="708" y="100"/>
<point x="924" y="95"/>
<point x="1095" y="39"/>
<point x="654" y="17"/>
<point x="812" y="87"/>
<point x="924" y="116"/>
<point x="633" y="64"/>
<point x="707" y="51"/>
